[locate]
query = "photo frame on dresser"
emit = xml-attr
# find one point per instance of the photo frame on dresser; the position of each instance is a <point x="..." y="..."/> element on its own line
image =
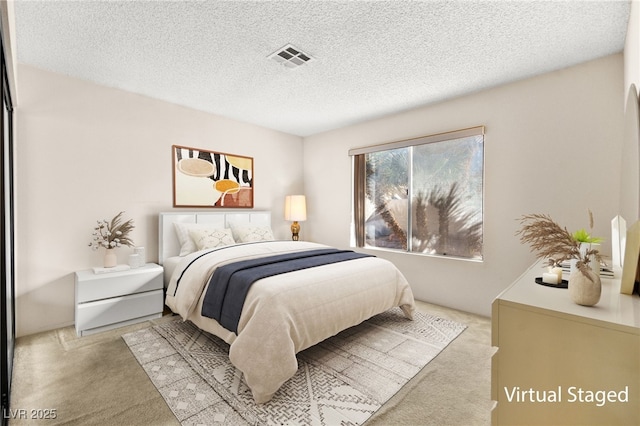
<point x="629" y="207"/>
<point x="618" y="240"/>
<point x="631" y="264"/>
<point x="630" y="192"/>
<point x="203" y="178"/>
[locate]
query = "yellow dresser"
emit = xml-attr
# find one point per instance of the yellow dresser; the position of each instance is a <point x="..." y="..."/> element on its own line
<point x="559" y="363"/>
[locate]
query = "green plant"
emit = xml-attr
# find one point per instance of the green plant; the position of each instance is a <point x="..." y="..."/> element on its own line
<point x="582" y="236"/>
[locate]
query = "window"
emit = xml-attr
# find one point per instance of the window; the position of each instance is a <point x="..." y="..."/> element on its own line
<point x="423" y="195"/>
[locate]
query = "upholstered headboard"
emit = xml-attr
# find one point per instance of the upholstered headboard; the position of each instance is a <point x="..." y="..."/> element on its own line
<point x="168" y="244"/>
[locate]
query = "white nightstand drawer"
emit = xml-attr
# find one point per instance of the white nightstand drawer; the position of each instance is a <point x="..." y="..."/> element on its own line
<point x="118" y="309"/>
<point x="91" y="287"/>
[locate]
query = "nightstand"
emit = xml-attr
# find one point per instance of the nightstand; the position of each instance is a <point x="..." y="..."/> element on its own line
<point x="114" y="299"/>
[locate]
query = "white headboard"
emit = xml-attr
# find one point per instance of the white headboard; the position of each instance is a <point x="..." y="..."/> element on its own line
<point x="168" y="244"/>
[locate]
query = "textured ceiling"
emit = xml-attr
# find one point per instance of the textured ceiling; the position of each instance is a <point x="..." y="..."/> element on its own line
<point x="371" y="58"/>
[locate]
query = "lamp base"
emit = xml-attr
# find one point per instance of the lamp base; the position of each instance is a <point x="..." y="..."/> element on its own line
<point x="295" y="230"/>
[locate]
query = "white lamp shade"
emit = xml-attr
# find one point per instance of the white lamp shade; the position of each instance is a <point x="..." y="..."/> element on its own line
<point x="295" y="208"/>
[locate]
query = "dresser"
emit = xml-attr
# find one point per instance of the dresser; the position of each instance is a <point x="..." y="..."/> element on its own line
<point x="114" y="299"/>
<point x="559" y="363"/>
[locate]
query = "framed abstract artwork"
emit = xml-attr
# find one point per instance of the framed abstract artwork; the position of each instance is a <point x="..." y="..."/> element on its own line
<point x="203" y="178"/>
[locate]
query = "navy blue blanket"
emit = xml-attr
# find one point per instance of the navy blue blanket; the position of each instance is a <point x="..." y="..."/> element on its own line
<point x="230" y="283"/>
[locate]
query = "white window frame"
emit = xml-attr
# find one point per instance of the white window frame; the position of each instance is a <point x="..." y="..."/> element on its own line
<point x="358" y="184"/>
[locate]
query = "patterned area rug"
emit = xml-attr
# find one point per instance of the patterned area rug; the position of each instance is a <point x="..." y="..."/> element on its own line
<point x="342" y="380"/>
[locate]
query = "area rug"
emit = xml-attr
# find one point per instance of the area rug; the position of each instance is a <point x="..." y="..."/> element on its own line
<point x="340" y="381"/>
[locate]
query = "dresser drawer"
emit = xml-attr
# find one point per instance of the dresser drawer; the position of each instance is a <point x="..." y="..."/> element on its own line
<point x="118" y="309"/>
<point x="494" y="375"/>
<point x="92" y="287"/>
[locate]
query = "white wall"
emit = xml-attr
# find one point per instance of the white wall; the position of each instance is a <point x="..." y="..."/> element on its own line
<point x="630" y="158"/>
<point x="632" y="48"/>
<point x="552" y="145"/>
<point x="85" y="152"/>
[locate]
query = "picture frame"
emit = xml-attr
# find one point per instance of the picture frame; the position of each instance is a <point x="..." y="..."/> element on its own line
<point x="204" y="178"/>
<point x="631" y="265"/>
<point x="618" y="241"/>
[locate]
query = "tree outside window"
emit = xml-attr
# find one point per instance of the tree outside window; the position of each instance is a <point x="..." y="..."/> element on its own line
<point x="424" y="197"/>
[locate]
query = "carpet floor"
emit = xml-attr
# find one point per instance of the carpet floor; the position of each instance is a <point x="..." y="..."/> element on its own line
<point x="96" y="380"/>
<point x="340" y="381"/>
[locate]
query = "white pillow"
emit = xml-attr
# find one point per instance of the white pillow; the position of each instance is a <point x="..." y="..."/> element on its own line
<point x="211" y="238"/>
<point x="248" y="234"/>
<point x="187" y="245"/>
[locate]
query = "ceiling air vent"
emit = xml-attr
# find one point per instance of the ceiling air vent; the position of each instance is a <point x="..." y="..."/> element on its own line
<point x="290" y="57"/>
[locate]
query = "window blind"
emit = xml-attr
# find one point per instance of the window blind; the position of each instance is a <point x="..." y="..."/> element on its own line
<point x="439" y="137"/>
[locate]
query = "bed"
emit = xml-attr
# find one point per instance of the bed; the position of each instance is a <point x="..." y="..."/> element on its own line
<point x="282" y="314"/>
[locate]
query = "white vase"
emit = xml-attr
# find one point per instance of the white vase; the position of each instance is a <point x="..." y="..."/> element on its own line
<point x="585" y="289"/>
<point x="593" y="262"/>
<point x="110" y="258"/>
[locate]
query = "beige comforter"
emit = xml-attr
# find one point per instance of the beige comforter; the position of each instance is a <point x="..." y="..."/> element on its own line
<point x="288" y="313"/>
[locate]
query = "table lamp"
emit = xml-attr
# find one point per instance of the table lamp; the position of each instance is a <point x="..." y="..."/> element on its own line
<point x="295" y="209"/>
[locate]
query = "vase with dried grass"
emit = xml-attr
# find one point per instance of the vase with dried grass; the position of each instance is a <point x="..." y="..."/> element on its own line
<point x="111" y="235"/>
<point x="556" y="244"/>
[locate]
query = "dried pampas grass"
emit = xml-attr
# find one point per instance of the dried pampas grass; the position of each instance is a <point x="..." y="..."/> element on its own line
<point x="551" y="241"/>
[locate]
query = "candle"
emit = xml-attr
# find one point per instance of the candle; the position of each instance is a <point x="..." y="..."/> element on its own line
<point x="134" y="260"/>
<point x="141" y="254"/>
<point x="550" y="278"/>
<point x="558" y="271"/>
